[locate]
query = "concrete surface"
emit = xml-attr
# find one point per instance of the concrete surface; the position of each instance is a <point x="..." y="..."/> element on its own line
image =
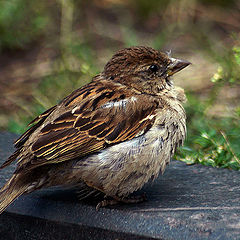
<point x="187" y="202"/>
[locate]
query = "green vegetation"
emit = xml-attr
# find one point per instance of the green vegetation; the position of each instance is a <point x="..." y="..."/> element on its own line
<point x="212" y="139"/>
<point x="21" y="22"/>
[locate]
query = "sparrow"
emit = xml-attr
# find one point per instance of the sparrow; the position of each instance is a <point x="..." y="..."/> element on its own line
<point x="110" y="136"/>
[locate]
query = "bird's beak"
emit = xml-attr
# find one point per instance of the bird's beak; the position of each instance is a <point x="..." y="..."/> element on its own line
<point x="176" y="65"/>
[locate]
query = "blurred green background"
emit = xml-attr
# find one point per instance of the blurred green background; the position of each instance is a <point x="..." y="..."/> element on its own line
<point x="49" y="48"/>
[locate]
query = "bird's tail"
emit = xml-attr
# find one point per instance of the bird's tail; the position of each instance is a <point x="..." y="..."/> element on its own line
<point x="15" y="187"/>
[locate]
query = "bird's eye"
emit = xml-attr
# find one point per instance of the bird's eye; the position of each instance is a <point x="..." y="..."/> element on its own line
<point x="154" y="68"/>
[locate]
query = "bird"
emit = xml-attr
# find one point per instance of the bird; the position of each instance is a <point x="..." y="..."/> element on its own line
<point x="110" y="136"/>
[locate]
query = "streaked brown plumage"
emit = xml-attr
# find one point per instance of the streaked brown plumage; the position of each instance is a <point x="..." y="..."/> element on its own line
<point x="112" y="135"/>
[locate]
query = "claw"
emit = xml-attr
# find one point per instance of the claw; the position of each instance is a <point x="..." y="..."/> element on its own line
<point x="117" y="200"/>
<point x="106" y="202"/>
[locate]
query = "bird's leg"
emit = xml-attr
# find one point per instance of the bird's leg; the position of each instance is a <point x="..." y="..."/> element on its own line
<point x="116" y="200"/>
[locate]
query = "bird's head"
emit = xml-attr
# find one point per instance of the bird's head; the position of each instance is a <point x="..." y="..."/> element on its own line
<point x="143" y="68"/>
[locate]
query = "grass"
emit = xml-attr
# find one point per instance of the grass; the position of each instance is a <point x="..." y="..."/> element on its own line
<point x="210" y="141"/>
<point x="214" y="141"/>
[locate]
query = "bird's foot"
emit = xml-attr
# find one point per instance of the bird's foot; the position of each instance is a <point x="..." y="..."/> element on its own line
<point x="117" y="200"/>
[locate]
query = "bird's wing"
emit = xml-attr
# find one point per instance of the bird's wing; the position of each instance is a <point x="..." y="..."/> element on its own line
<point x="38" y="121"/>
<point x="19" y="143"/>
<point x="88" y="120"/>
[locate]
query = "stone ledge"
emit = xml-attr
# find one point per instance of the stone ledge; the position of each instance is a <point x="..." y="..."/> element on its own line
<point x="187" y="202"/>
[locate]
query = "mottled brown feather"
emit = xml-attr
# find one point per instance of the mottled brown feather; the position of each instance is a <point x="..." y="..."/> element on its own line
<point x="90" y="125"/>
<point x="24" y="137"/>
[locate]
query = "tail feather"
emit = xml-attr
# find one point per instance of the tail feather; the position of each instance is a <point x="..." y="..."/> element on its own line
<point x="15" y="187"/>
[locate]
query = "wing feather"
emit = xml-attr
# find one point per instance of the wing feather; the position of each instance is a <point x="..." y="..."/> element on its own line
<point x="92" y="118"/>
